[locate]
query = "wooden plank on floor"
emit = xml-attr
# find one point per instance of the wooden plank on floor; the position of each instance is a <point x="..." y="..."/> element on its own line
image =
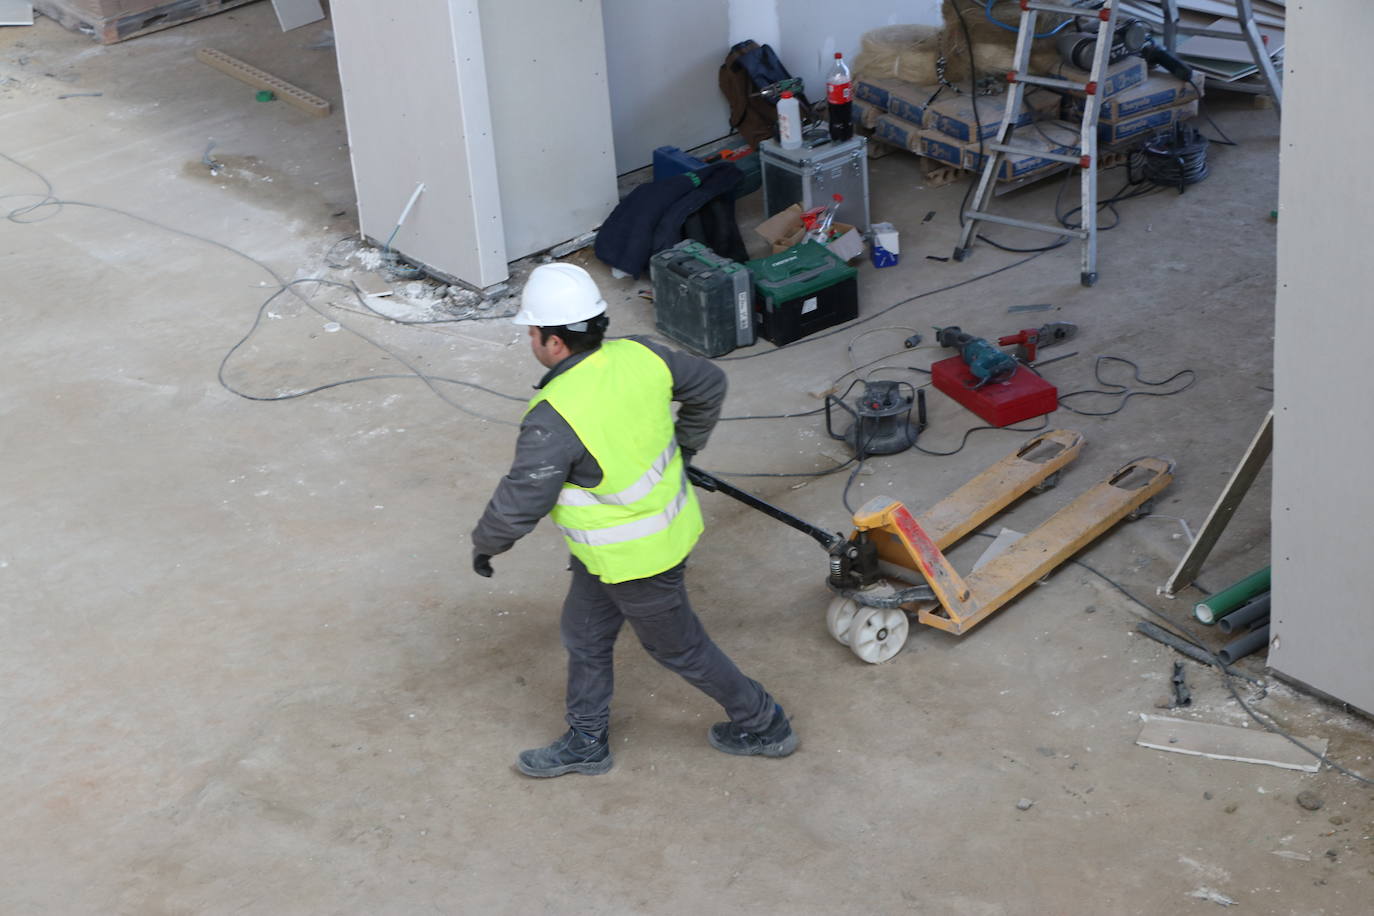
<point x="261" y="79"/>
<point x="1226" y="742"/>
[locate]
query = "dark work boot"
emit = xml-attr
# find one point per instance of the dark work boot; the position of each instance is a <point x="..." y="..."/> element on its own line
<point x="777" y="740"/>
<point x="575" y="752"/>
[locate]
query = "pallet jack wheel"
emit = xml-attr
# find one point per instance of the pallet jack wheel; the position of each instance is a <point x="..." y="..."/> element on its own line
<point x="876" y="634"/>
<point x="839" y="616"/>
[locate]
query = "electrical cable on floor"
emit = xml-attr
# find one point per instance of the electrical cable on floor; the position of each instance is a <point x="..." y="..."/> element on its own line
<point x="1202" y="109"/>
<point x="415" y="371"/>
<point x="878" y="314"/>
<point x="1124" y="392"/>
<point x="49" y="199"/>
<point x="1044" y="423"/>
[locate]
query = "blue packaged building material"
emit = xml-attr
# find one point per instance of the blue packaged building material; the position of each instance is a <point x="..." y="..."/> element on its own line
<point x="866" y="114"/>
<point x="941" y="147"/>
<point x="961" y="117"/>
<point x="1122" y="75"/>
<point x="1159" y="91"/>
<point x="1053" y="137"/>
<point x="904" y="99"/>
<point x="873" y="91"/>
<point x="1144" y="125"/>
<point x="897" y="131"/>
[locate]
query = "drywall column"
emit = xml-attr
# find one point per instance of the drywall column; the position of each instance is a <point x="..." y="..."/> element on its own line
<point x="415" y="96"/>
<point x="551" y="119"/>
<point x="1323" y="629"/>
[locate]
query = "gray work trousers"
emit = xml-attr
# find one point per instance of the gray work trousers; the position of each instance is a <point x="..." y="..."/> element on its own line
<point x="669" y="630"/>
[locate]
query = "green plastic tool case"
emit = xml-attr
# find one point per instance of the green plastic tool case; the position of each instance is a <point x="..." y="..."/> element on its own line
<point x="803" y="290"/>
<point x="701" y="299"/>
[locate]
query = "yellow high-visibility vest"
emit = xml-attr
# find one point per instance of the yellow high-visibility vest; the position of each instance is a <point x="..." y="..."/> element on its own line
<point x="643" y="518"/>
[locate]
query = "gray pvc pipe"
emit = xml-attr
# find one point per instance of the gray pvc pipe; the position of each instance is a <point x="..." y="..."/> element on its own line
<point x="1241" y="619"/>
<point x="1237" y="649"/>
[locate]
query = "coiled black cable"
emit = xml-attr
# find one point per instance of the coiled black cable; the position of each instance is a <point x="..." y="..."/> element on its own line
<point x="1175" y="158"/>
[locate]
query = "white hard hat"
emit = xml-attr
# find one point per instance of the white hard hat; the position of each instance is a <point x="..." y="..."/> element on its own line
<point x="559" y="295"/>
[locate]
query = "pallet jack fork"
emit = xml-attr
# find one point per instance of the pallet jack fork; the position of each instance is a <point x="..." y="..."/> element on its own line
<point x="893" y="567"/>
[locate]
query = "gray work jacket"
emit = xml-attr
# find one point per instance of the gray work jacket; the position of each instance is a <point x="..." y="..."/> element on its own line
<point x="548" y="453"/>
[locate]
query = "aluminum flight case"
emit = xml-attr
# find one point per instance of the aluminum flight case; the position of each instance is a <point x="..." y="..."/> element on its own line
<point x="701" y="299"/>
<point x="813" y="174"/>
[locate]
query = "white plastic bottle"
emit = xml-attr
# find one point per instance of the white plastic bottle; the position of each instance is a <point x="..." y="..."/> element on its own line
<point x="789" y="122"/>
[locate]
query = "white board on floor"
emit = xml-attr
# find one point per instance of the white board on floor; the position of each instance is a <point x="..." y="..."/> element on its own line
<point x="1226" y="742"/>
<point x="16" y="12"/>
<point x="292" y="14"/>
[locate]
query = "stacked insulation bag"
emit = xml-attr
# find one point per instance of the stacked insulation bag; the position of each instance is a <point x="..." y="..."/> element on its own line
<point x="899" y="101"/>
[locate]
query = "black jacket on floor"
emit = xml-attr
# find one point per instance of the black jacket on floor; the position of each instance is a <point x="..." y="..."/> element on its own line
<point x="660" y="214"/>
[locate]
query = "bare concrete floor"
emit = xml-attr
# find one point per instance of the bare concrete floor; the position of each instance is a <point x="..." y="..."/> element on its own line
<point x="246" y="668"/>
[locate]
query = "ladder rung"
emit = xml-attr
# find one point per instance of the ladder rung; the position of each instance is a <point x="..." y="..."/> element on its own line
<point x="1071" y="159"/>
<point x="1024" y="224"/>
<point x="1050" y="81"/>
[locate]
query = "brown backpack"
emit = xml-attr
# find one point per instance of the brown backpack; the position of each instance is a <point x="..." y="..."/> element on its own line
<point x="749" y="68"/>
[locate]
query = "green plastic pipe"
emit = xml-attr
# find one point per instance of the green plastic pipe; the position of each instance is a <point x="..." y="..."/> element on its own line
<point x="1217" y="606"/>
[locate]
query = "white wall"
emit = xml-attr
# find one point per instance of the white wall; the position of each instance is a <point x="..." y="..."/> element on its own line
<point x="813" y="30"/>
<point x="551" y="119"/>
<point x="663" y="56"/>
<point x="1323" y="506"/>
<point x="415" y="99"/>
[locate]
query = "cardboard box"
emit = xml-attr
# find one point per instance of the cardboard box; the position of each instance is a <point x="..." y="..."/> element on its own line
<point x="1160" y="90"/>
<point x="887" y="248"/>
<point x="784" y="230"/>
<point x="899" y="132"/>
<point x="1122" y="75"/>
<point x="1020" y="165"/>
<point x="954" y="113"/>
<point x="1144" y="125"/>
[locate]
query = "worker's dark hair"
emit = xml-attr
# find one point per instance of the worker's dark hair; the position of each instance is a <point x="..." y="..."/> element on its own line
<point x="587" y="338"/>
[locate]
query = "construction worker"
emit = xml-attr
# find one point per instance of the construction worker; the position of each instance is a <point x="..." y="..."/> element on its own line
<point x="600" y="452"/>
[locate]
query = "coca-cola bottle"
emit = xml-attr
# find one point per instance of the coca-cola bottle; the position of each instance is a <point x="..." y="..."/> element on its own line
<point x="839" y="98"/>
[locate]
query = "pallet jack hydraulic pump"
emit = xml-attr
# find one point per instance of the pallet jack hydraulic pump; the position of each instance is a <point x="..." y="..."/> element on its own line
<point x="892" y="567"/>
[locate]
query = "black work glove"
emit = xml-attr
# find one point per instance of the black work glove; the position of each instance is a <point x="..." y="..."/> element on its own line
<point x="687" y="455"/>
<point x="481" y="564"/>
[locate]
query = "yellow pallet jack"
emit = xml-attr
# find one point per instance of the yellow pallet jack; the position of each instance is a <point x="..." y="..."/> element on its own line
<point x="893" y="567"/>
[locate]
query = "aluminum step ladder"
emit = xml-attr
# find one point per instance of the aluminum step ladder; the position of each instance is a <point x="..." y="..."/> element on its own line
<point x="1085" y="158"/>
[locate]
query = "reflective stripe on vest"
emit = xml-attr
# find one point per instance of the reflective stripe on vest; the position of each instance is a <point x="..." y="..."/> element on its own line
<point x="630" y="531"/>
<point x="643" y="517"/>
<point x="631" y="494"/>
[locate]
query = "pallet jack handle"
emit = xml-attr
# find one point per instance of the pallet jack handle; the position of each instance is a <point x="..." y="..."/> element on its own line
<point x="712" y="484"/>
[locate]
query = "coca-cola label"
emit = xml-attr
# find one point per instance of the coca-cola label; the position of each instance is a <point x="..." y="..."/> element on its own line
<point x="839" y="93"/>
